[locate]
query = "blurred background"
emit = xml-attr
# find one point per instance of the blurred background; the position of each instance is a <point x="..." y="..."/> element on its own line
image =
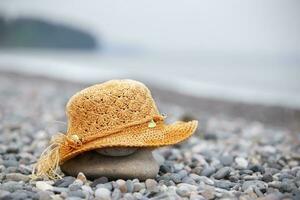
<point x="240" y="58"/>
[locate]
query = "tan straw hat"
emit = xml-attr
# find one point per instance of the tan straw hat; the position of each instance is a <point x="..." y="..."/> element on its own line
<point x="117" y="113"/>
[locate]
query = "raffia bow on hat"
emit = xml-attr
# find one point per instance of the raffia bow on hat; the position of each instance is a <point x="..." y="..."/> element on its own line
<point x="117" y="113"/>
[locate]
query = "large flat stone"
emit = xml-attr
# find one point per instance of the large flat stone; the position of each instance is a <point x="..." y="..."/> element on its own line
<point x="140" y="164"/>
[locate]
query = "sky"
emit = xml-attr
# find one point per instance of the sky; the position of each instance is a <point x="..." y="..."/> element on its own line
<point x="250" y="26"/>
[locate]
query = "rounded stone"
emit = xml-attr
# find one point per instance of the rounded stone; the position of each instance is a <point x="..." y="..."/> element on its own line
<point x="223" y="172"/>
<point x="42" y="185"/>
<point x="151" y="184"/>
<point x="122" y="185"/>
<point x="65" y="181"/>
<point x="138" y="186"/>
<point x="116" y="151"/>
<point x="81" y="177"/>
<point x="208" y="171"/>
<point x="241" y="162"/>
<point x="226" y="160"/>
<point x="100" y="180"/>
<point x="17" y="177"/>
<point x="116" y="194"/>
<point x="103" y="194"/>
<point x="267" y="178"/>
<point x="183" y="191"/>
<point x="140" y="165"/>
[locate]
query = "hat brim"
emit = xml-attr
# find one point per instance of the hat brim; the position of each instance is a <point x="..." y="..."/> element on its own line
<point x="138" y="136"/>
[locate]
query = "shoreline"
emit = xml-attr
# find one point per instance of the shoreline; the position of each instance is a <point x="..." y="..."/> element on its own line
<point x="252" y="83"/>
<point x="201" y="107"/>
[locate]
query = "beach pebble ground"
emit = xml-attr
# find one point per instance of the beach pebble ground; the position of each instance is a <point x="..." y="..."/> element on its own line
<point x="225" y="159"/>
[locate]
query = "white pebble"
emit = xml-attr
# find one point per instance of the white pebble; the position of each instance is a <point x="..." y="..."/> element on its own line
<point x="87" y="189"/>
<point x="42" y="185"/>
<point x="103" y="194"/>
<point x="242" y="163"/>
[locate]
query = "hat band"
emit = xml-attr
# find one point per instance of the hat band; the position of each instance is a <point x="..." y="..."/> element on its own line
<point x="74" y="141"/>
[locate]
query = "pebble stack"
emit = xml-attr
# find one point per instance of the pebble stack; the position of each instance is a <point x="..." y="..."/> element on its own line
<point x="228" y="159"/>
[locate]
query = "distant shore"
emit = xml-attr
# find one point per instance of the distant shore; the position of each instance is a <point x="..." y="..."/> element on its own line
<point x="253" y="80"/>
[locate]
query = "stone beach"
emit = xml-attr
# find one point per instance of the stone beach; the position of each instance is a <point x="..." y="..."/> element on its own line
<point x="228" y="158"/>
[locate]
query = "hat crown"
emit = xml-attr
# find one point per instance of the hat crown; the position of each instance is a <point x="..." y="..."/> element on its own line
<point x="109" y="106"/>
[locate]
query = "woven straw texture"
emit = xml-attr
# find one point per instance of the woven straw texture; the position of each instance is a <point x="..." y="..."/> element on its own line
<point x="120" y="113"/>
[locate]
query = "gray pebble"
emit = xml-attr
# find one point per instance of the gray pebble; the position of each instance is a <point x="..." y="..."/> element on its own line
<point x="75" y="186"/>
<point x="208" y="171"/>
<point x="285" y="175"/>
<point x="129" y="186"/>
<point x="77" y="193"/>
<point x="287" y="186"/>
<point x="275" y="184"/>
<point x="188" y="180"/>
<point x="182" y="173"/>
<point x="208" y="193"/>
<point x="138" y="195"/>
<point x="165" y="168"/>
<point x="2" y="167"/>
<point x="12" y="186"/>
<point x="226" y="160"/>
<point x="19" y="195"/>
<point x="296" y="194"/>
<point x="176" y="178"/>
<point x="196" y="197"/>
<point x="297" y="181"/>
<point x="271" y="171"/>
<point x="59" y="189"/>
<point x="129" y="196"/>
<point x="258" y="192"/>
<point x="87" y="189"/>
<point x="205" y="180"/>
<point x="138" y="186"/>
<point x="246" y="171"/>
<point x="100" y="180"/>
<point x="252" y="177"/>
<point x="44" y="195"/>
<point x="227" y="185"/>
<point x="267" y="177"/>
<point x="13" y="149"/>
<point x="195" y="168"/>
<point x="178" y="167"/>
<point x="17" y="177"/>
<point x="183" y="191"/>
<point x="5" y="194"/>
<point x="12" y="169"/>
<point x="262" y="186"/>
<point x="116" y="194"/>
<point x="257" y="168"/>
<point x="10" y="163"/>
<point x="108" y="186"/>
<point x="223" y="173"/>
<point x="65" y="181"/>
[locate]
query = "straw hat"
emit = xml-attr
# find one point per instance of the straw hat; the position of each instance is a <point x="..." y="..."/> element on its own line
<point x="117" y="113"/>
